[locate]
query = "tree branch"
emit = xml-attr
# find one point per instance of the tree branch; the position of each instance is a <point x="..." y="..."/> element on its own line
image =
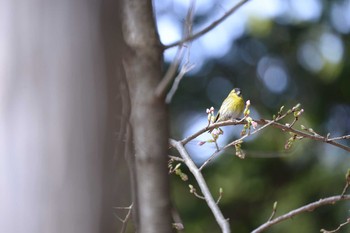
<point x="127" y="217"/>
<point x="210" y="27"/>
<point x="307" y="135"/>
<point x="185" y="68"/>
<point x="265" y="123"/>
<point x="239" y="140"/>
<point x="338" y="228"/>
<point x="212" y="126"/>
<point x="223" y="223"/>
<point x="339" y="138"/>
<point x="170" y="74"/>
<point x="307" y="208"/>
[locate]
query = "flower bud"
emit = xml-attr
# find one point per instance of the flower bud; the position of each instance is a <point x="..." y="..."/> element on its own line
<point x="201" y="143"/>
<point x="254" y="124"/>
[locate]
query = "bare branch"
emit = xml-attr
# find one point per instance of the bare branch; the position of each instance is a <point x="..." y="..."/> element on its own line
<point x="213" y="126"/>
<point x="194" y="191"/>
<point x="338" y="228"/>
<point x="170" y="74"/>
<point x="307" y="208"/>
<point x="303" y="134"/>
<point x="265" y="123"/>
<point x="235" y="122"/>
<point x="235" y="142"/>
<point x="339" y="138"/>
<point x="347" y="183"/>
<point x="210" y="27"/>
<point x="345" y="189"/>
<point x="223" y="223"/>
<point x="185" y="68"/>
<point x="179" y="145"/>
<point x="127" y="217"/>
<point x="176" y="158"/>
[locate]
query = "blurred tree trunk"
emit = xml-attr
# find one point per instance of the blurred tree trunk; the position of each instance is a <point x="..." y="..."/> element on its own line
<point x="149" y="116"/>
<point x="62" y="131"/>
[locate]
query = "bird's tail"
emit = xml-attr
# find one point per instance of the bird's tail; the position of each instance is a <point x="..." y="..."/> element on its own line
<point x="215" y="120"/>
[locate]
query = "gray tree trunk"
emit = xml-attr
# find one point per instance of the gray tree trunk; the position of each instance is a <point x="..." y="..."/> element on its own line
<point x="149" y="116"/>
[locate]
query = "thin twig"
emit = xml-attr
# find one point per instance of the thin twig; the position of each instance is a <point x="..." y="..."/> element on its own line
<point x="346" y="187"/>
<point x="303" y="134"/>
<point x="123" y="207"/>
<point x="194" y="191"/>
<point x="175" y="158"/>
<point x="293" y="122"/>
<point x="338" y="228"/>
<point x="223" y="223"/>
<point x="185" y="68"/>
<point x="307" y="208"/>
<point x="209" y="159"/>
<point x="220" y="196"/>
<point x="274" y="209"/>
<point x="339" y="138"/>
<point x="170" y="74"/>
<point x="216" y="145"/>
<point x="127" y="217"/>
<point x="210" y="27"/>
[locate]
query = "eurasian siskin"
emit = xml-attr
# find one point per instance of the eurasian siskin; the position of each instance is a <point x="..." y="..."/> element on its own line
<point x="232" y="107"/>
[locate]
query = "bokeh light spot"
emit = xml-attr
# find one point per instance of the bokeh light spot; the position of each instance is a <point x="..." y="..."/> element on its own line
<point x="214" y="45"/>
<point x="169" y="29"/>
<point x="266" y="9"/>
<point x="306" y="10"/>
<point x="169" y="32"/>
<point x="275" y="79"/>
<point x="273" y="74"/>
<point x="340" y="16"/>
<point x="331" y="47"/>
<point x="309" y="57"/>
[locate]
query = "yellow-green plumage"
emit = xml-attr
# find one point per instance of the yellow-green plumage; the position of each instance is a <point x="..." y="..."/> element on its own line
<point x="232" y="107"/>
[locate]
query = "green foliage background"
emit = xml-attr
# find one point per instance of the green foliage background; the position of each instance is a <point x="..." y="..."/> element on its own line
<point x="309" y="171"/>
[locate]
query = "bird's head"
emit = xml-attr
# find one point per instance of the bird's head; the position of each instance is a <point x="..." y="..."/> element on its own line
<point x="236" y="91"/>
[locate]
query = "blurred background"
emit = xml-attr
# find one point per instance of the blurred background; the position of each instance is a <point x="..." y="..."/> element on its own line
<point x="279" y="52"/>
<point x="61" y="159"/>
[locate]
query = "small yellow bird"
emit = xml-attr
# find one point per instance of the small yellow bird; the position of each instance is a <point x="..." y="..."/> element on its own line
<point x="232" y="107"/>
